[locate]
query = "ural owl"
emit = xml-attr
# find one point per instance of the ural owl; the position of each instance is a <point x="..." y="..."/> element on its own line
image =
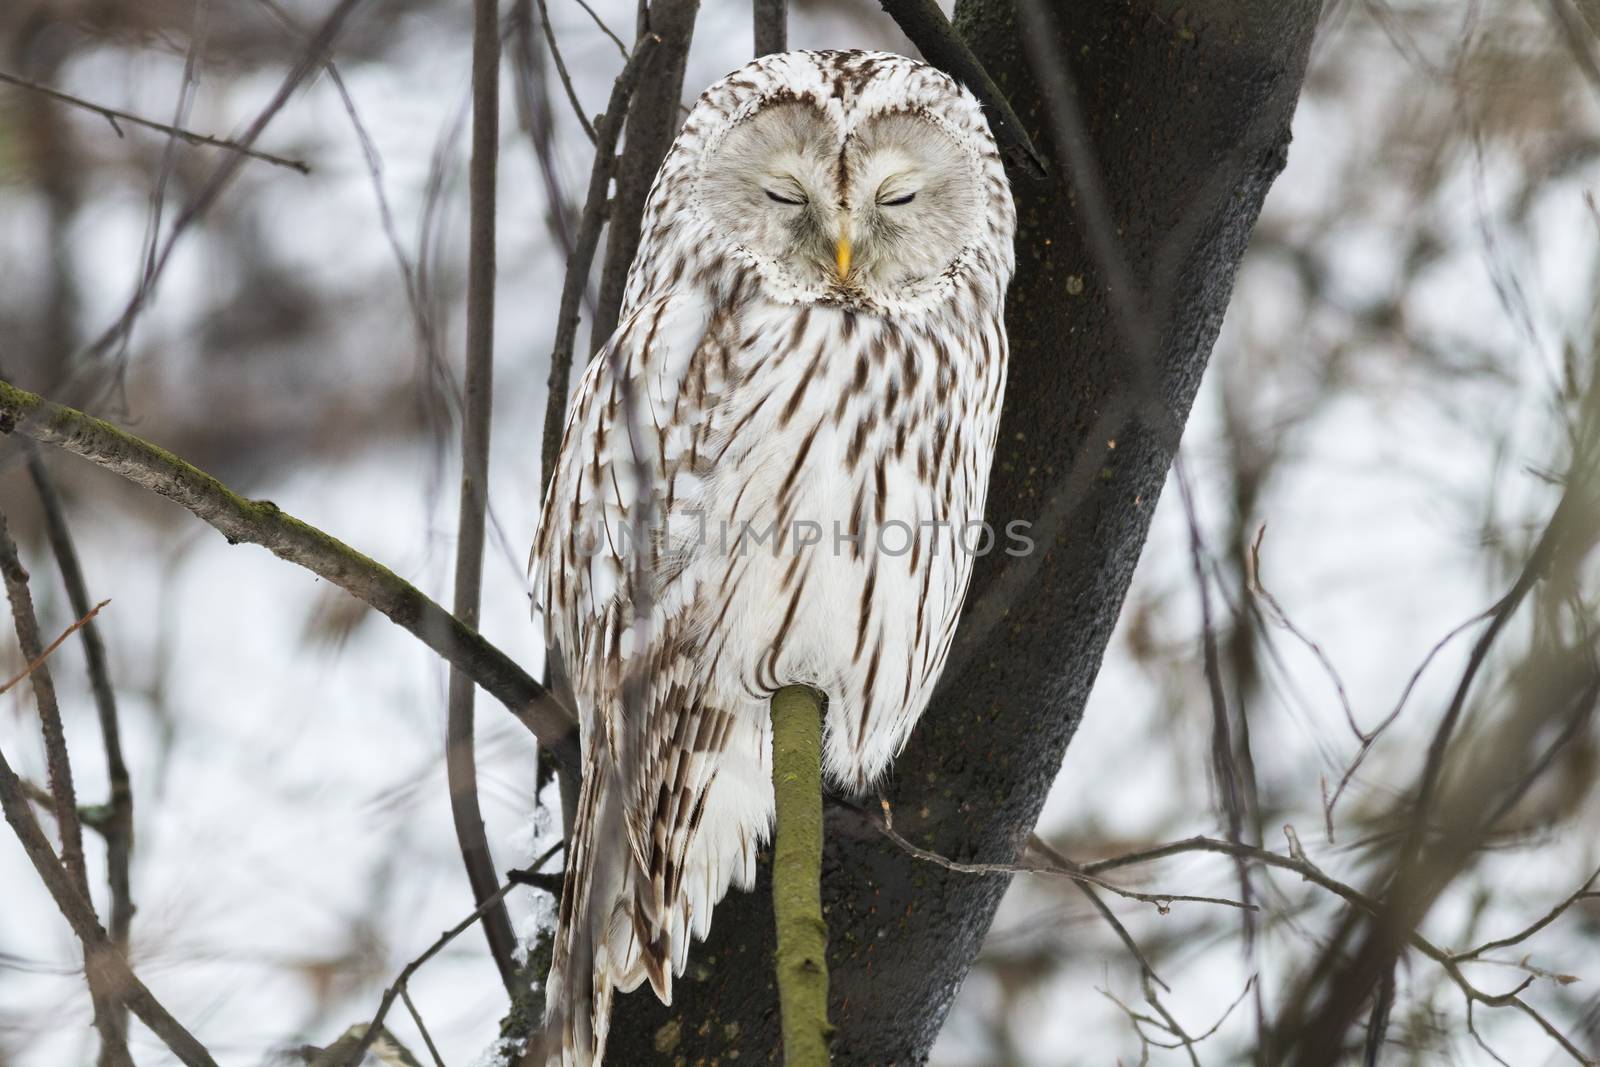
<point x="771" y="475"/>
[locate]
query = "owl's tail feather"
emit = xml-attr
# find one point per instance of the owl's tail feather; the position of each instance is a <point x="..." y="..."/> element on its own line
<point x="619" y="926"/>
<point x="583" y="971"/>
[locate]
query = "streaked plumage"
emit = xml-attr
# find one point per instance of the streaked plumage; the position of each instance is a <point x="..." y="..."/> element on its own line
<point x="812" y="334"/>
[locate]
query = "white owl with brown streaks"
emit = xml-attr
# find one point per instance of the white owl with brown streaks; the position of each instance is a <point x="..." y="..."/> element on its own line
<point x="773" y="474"/>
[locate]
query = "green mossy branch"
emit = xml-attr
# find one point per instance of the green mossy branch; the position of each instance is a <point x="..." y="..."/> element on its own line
<point x="262" y="522"/>
<point x="802" y="955"/>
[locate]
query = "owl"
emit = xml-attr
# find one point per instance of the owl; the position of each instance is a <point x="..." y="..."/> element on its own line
<point x="772" y="474"/>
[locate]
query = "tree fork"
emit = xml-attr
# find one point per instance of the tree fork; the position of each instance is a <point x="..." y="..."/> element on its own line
<point x="801" y="959"/>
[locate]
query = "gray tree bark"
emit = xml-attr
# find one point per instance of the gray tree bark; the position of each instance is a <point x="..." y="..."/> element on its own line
<point x="1187" y="108"/>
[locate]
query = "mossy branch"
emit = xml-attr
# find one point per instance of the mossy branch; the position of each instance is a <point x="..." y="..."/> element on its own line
<point x="262" y="522"/>
<point x="802" y="957"/>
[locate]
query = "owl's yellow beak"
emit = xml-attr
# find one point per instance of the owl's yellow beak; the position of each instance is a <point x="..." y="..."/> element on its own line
<point x="841" y="255"/>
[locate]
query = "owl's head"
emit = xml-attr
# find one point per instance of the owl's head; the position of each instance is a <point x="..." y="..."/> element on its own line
<point x="853" y="178"/>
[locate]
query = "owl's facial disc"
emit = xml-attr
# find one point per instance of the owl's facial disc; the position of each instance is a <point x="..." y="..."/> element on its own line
<point x="847" y="218"/>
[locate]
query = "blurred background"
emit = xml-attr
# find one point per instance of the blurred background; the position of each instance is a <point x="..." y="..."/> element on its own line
<point x="1393" y="398"/>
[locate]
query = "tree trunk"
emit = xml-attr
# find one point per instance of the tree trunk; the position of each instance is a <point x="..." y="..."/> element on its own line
<point x="1188" y="110"/>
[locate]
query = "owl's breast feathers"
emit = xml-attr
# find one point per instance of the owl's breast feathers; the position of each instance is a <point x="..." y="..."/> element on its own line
<point x="788" y="489"/>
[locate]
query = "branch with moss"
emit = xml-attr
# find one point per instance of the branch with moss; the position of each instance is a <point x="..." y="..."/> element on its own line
<point x="263" y="523"/>
<point x="802" y="955"/>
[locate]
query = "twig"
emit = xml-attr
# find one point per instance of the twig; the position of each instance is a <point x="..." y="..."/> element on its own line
<point x="461" y="767"/>
<point x="101" y="959"/>
<point x="925" y="24"/>
<point x="1224" y="764"/>
<point x="1367" y="738"/>
<point x="1581" y="893"/>
<point x="353" y="1057"/>
<point x="423" y="323"/>
<point x="57" y="643"/>
<point x="593" y="218"/>
<point x="323" y="39"/>
<point x="561" y="71"/>
<point x="537" y="119"/>
<point x="1040" y="846"/>
<point x="1162" y="902"/>
<point x="113" y="115"/>
<point x="422" y="1027"/>
<point x="1298" y="863"/>
<point x="264" y="523"/>
<point x="622" y="49"/>
<point x="801" y="958"/>
<point x="771" y="26"/>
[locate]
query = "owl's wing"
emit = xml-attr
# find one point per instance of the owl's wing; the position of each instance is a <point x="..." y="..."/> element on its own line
<point x="634" y="436"/>
<point x="610" y="587"/>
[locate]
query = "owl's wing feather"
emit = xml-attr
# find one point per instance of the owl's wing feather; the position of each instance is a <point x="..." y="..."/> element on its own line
<point x="610" y="584"/>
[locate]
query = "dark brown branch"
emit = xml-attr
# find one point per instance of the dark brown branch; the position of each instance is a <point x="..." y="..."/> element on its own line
<point x="594" y="217"/>
<point x="925" y="24"/>
<point x="772" y="26"/>
<point x="536" y="117"/>
<point x="461" y="765"/>
<point x="1429" y="857"/>
<point x="652" y="123"/>
<point x="263" y="523"/>
<point x="114" y="115"/>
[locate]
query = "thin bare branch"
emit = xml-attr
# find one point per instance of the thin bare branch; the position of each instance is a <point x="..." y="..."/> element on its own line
<point x="375" y="1027"/>
<point x="622" y="49"/>
<point x="225" y="172"/>
<point x="461" y="765"/>
<point x="1299" y="864"/>
<point x="1162" y="902"/>
<point x="1581" y="893"/>
<point x="57" y="643"/>
<point x="116" y="115"/>
<point x="422" y="1027"/>
<point x="1042" y="847"/>
<point x="561" y="71"/>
